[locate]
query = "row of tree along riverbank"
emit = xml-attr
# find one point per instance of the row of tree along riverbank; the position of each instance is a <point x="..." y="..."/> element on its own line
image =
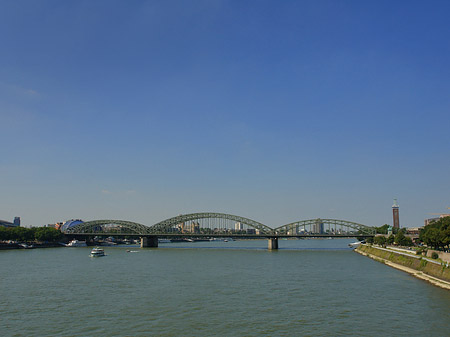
<point x="24" y="234"/>
<point x="438" y="274"/>
<point x="35" y="237"/>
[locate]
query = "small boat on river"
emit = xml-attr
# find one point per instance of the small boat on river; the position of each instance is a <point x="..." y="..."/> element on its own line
<point x="97" y="252"/>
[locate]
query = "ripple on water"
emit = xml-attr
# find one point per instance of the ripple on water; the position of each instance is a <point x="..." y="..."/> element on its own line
<point x="305" y="289"/>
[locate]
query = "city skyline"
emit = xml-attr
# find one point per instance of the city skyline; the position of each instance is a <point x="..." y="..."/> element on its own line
<point x="277" y="112"/>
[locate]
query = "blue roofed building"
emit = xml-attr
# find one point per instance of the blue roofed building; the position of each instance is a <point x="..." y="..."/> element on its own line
<point x="70" y="223"/>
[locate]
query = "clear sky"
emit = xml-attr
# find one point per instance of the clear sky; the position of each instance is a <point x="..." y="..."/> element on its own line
<point x="274" y="110"/>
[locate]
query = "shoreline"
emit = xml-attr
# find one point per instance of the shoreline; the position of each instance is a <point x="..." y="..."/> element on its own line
<point x="31" y="246"/>
<point x="416" y="273"/>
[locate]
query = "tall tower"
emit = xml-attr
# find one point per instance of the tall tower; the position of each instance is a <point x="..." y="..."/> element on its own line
<point x="17" y="221"/>
<point x="395" y="215"/>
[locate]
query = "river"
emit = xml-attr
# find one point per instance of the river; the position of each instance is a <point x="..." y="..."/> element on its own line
<point x="236" y="288"/>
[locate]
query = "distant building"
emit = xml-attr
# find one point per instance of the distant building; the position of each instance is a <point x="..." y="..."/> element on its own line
<point x="70" y="223"/>
<point x="5" y="223"/>
<point x="238" y="226"/>
<point x="430" y="220"/>
<point x="251" y="231"/>
<point x="292" y="231"/>
<point x="180" y="227"/>
<point x="55" y="225"/>
<point x="413" y="230"/>
<point x="193" y="227"/>
<point x="317" y="228"/>
<point x="395" y="215"/>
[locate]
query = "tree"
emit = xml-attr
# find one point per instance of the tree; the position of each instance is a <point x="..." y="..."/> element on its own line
<point x="47" y="234"/>
<point x="390" y="240"/>
<point x="437" y="234"/>
<point x="379" y="240"/>
<point x="408" y="242"/>
<point x="383" y="229"/>
<point x="5" y="233"/>
<point x="22" y="234"/>
<point x="400" y="238"/>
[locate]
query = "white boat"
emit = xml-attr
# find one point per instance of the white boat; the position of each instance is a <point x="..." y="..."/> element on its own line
<point x="76" y="243"/>
<point x="221" y="239"/>
<point x="354" y="244"/>
<point x="97" y="252"/>
<point x="108" y="243"/>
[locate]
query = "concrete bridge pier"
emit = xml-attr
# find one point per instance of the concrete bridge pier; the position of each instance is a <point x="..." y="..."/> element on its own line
<point x="273" y="243"/>
<point x="149" y="242"/>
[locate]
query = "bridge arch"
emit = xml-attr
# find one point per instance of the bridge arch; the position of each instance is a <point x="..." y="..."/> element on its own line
<point x="97" y="227"/>
<point x="167" y="226"/>
<point x="319" y="226"/>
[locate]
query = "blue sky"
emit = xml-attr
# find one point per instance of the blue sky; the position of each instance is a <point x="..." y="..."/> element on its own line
<point x="273" y="110"/>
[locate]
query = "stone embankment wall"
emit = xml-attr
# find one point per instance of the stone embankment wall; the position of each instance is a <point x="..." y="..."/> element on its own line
<point x="442" y="255"/>
<point x="439" y="271"/>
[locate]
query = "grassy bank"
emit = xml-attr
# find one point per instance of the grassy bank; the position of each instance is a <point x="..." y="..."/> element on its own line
<point x="438" y="271"/>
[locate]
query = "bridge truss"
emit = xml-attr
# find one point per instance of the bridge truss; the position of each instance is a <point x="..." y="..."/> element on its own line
<point x="99" y="227"/>
<point x="324" y="226"/>
<point x="221" y="224"/>
<point x="210" y="224"/>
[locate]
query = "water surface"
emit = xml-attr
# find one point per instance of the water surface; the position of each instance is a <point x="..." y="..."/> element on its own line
<point x="308" y="288"/>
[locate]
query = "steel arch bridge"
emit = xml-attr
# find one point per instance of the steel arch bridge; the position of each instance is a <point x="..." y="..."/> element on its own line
<point x="101" y="227"/>
<point x="322" y="226"/>
<point x="220" y="224"/>
<point x="208" y="223"/>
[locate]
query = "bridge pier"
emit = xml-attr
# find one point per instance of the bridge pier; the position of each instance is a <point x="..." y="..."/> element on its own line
<point x="273" y="243"/>
<point x="149" y="242"/>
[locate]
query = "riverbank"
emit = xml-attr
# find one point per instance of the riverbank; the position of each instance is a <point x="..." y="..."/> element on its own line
<point x="433" y="272"/>
<point x="7" y="246"/>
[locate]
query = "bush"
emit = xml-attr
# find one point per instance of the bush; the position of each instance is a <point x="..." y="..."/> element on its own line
<point x="434" y="255"/>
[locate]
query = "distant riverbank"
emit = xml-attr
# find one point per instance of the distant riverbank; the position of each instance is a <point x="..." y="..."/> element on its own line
<point x="435" y="273"/>
<point x="6" y="246"/>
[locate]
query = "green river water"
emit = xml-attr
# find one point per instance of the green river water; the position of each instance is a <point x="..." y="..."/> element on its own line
<point x="238" y="288"/>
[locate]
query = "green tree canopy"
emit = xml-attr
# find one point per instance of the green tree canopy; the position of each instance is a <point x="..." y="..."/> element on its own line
<point x="383" y="229"/>
<point x="390" y="240"/>
<point x="437" y="234"/>
<point x="23" y="234"/>
<point x="379" y="240"/>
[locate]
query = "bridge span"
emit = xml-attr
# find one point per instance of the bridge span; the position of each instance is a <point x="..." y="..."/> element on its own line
<point x="216" y="225"/>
